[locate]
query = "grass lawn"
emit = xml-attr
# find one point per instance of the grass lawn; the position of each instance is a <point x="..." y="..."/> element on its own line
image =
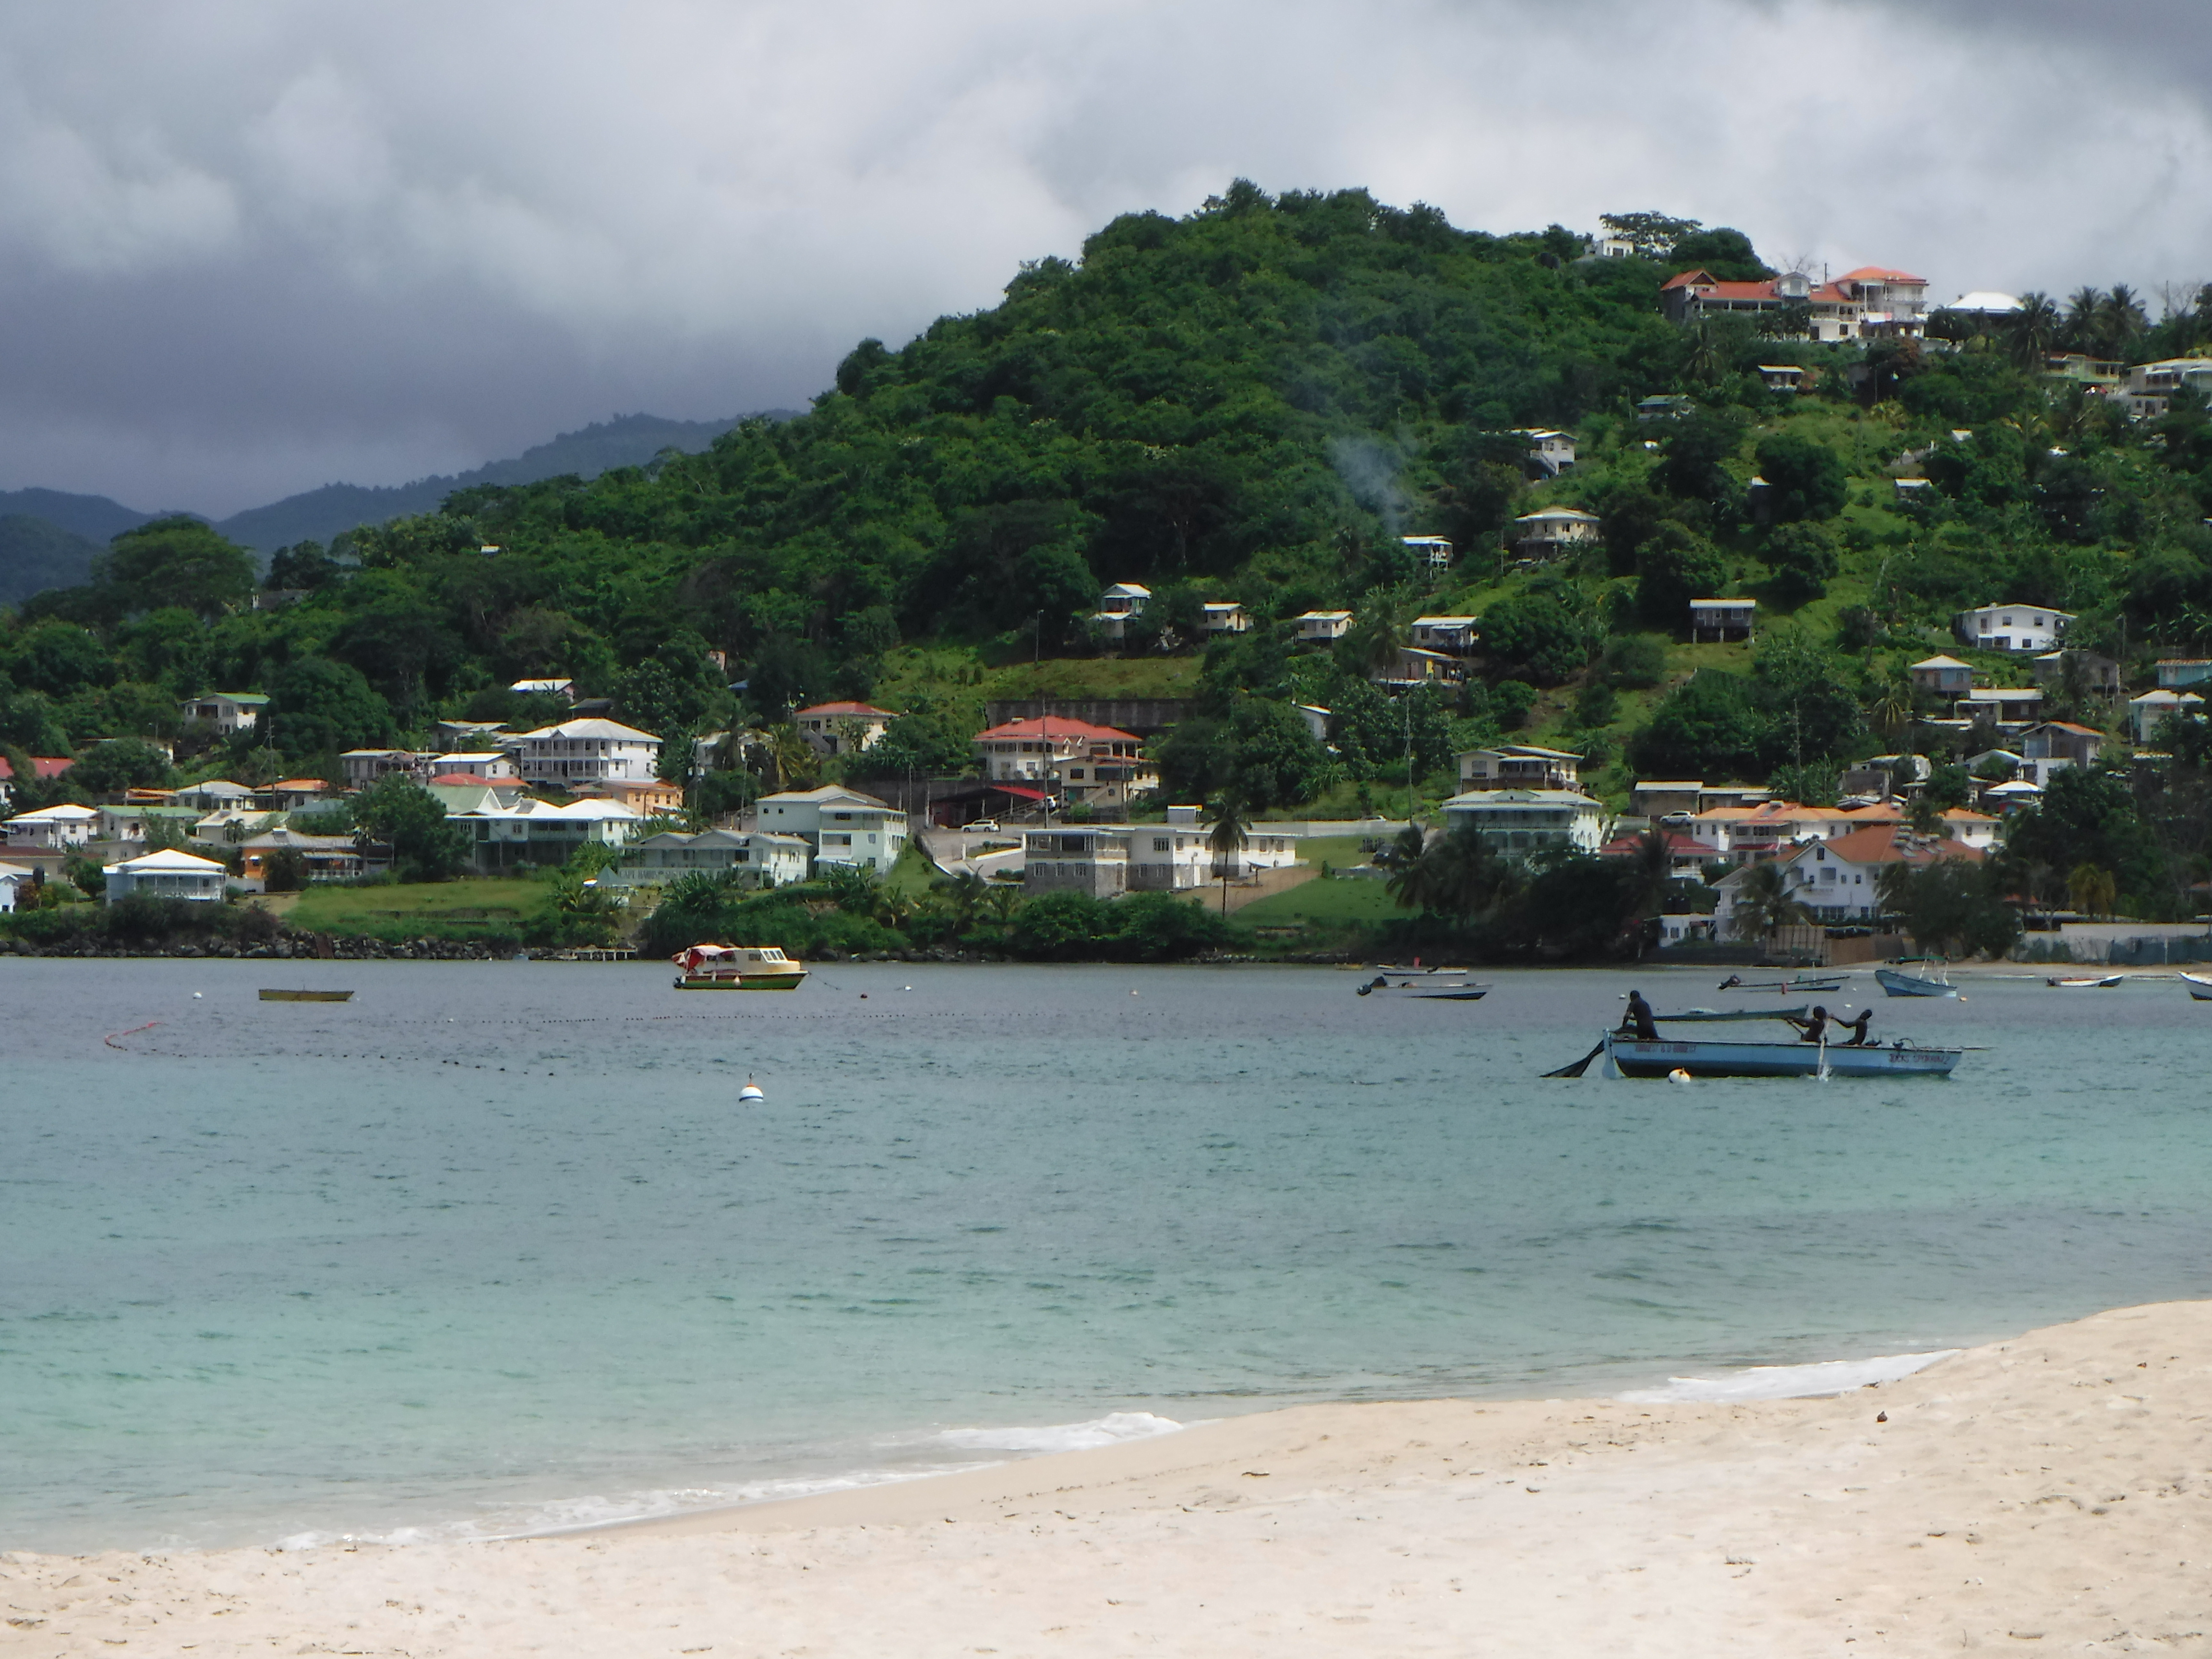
<point x="1096" y="677"/>
<point x="442" y="909"/>
<point x="1336" y="851"/>
<point x="1329" y="901"/>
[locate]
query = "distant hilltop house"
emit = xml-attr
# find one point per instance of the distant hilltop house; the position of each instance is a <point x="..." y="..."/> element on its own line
<point x="1118" y="606"/>
<point x="583" y="754"/>
<point x="1554" y="528"/>
<point x="226" y="711"/>
<point x="1318" y="626"/>
<point x="840" y="728"/>
<point x="1550" y="453"/>
<point x="1519" y="766"/>
<point x="2034" y="628"/>
<point x="1869" y="302"/>
<point x="2146" y="390"/>
<point x="1433" y="550"/>
<point x="1722" y="620"/>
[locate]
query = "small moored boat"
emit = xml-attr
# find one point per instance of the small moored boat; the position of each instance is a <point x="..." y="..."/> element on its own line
<point x="2200" y="988"/>
<point x="1436" y="984"/>
<point x="306" y="996"/>
<point x="1634" y="1057"/>
<point x="1933" y="979"/>
<point x="736" y="968"/>
<point x="2104" y="984"/>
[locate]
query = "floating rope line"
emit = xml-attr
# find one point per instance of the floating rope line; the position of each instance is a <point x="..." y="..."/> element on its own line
<point x="110" y="1038"/>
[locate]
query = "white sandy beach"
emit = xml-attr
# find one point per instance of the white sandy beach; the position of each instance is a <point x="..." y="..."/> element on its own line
<point x="2053" y="1490"/>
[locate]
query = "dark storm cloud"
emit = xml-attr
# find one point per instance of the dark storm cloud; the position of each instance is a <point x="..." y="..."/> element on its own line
<point x="248" y="249"/>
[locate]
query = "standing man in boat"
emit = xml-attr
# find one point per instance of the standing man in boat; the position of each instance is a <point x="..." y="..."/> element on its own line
<point x="1639" y="1018"/>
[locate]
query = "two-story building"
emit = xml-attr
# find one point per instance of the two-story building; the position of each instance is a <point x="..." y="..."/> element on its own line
<point x="1838" y="880"/>
<point x="1554" y="530"/>
<point x="842" y="728"/>
<point x="1943" y="676"/>
<point x="2054" y="744"/>
<point x="1174" y="857"/>
<point x="323" y="858"/>
<point x="1872" y="300"/>
<point x="581" y="756"/>
<point x="758" y="858"/>
<point x="1520" y="766"/>
<point x="484" y="765"/>
<point x="1550" y="453"/>
<point x="1717" y="620"/>
<point x="227" y="711"/>
<point x="1118" y="606"/>
<point x="2029" y="627"/>
<point x="1111" y="777"/>
<point x="839" y="825"/>
<point x="1519" y="823"/>
<point x="1030" y="751"/>
<point x="2146" y="390"/>
<point x="363" y="766"/>
<point x="53" y="827"/>
<point x="547" y="686"/>
<point x="215" y="795"/>
<point x="2179" y="673"/>
<point x="1453" y="635"/>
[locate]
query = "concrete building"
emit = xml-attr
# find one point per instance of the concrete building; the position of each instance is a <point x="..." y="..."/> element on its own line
<point x="1176" y="857"/>
<point x="839" y="825"/>
<point x="537" y="832"/>
<point x="1225" y="616"/>
<point x="1945" y="677"/>
<point x="842" y="728"/>
<point x="53" y="826"/>
<point x="1838" y="880"/>
<point x="2030" y="627"/>
<point x="1453" y="635"/>
<point x="1518" y="824"/>
<point x="1553" y="529"/>
<point x="2179" y="673"/>
<point x="1718" y="621"/>
<point x="1521" y="766"/>
<point x="1118" y="606"/>
<point x="169" y="874"/>
<point x="226" y="711"/>
<point x="1030" y="751"/>
<point x="1319" y="627"/>
<point x="2099" y="676"/>
<point x="758" y="858"/>
<point x="2146" y="712"/>
<point x="1550" y="453"/>
<point x="1434" y="551"/>
<point x="584" y="755"/>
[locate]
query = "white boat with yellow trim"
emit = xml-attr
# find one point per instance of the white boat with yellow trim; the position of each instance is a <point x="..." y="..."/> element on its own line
<point x="736" y="968"/>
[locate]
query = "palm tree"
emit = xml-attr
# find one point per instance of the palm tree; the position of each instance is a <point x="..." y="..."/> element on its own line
<point x="1763" y="904"/>
<point x="965" y="892"/>
<point x="787" y="754"/>
<point x="2082" y="308"/>
<point x="1228" y="840"/>
<point x="1651" y="869"/>
<point x="2092" y="890"/>
<point x="2120" y="318"/>
<point x="1892" y="708"/>
<point x="2035" y="330"/>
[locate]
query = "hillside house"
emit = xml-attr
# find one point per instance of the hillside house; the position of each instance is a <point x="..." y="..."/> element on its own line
<point x="1224" y="617"/>
<point x="1109" y="777"/>
<point x="1945" y="677"/>
<point x="1719" y="620"/>
<point x="1685" y="857"/>
<point x="1520" y="766"/>
<point x="1781" y="376"/>
<point x="2001" y="706"/>
<point x="1118" y="606"/>
<point x="45" y="768"/>
<point x="1518" y="824"/>
<point x="839" y="825"/>
<point x="1664" y="406"/>
<point x="1555" y="529"/>
<point x="2054" y="743"/>
<point x="2099" y="676"/>
<point x="1550" y="453"/>
<point x="53" y="827"/>
<point x="227" y="711"/>
<point x="842" y="728"/>
<point x="1655" y="800"/>
<point x="363" y="766"/>
<point x="2029" y="627"/>
<point x="17" y="884"/>
<point x="1319" y="627"/>
<point x="1412" y="666"/>
<point x="2179" y="673"/>
<point x="2146" y="390"/>
<point x="215" y="795"/>
<point x="1146" y="858"/>
<point x="583" y="754"/>
<point x="326" y="858"/>
<point x="1454" y="635"/>
<point x="483" y="765"/>
<point x="553" y="686"/>
<point x="1872" y="300"/>
<point x="169" y="874"/>
<point x="1028" y="751"/>
<point x="1434" y="552"/>
<point x="2145" y="713"/>
<point x="1837" y="879"/>
<point x="537" y="832"/>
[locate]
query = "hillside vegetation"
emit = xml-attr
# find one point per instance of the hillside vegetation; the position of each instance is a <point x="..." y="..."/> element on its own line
<point x="1255" y="403"/>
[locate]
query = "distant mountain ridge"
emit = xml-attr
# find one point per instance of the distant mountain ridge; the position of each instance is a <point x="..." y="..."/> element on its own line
<point x="48" y="537"/>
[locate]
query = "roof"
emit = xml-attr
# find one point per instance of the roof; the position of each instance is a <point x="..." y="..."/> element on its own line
<point x="822" y="796"/>
<point x="2163" y="696"/>
<point x="1942" y="662"/>
<point x="1571" y="514"/>
<point x="1677" y="843"/>
<point x="2068" y="726"/>
<point x="2004" y="693"/>
<point x="1430" y="541"/>
<point x="245" y="699"/>
<point x="306" y="843"/>
<point x="1890" y="843"/>
<point x="850" y="710"/>
<point x="221" y="788"/>
<point x="485" y="754"/>
<point x="1045" y="727"/>
<point x="1881" y="274"/>
<point x="2019" y="604"/>
<point x="1984" y="300"/>
<point x="1522" y="752"/>
<point x="1018" y="789"/>
<point x="16" y="872"/>
<point x="1322" y="616"/>
<point x="590" y="727"/>
<point x="1444" y="622"/>
<point x="63" y="814"/>
<point x="1732" y="605"/>
<point x="591" y="808"/>
<point x="43" y="766"/>
<point x="299" y="786"/>
<point x="1521" y="797"/>
<point x="170" y="860"/>
<point x="540" y="685"/>
<point x="1705" y="282"/>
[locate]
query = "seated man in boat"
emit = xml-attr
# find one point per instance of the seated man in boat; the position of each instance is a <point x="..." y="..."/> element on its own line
<point x="1638" y="1018"/>
<point x="1857" y="1027"/>
<point x="1812" y="1029"/>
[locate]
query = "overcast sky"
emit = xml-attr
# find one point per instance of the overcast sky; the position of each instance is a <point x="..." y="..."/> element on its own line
<point x="248" y="249"/>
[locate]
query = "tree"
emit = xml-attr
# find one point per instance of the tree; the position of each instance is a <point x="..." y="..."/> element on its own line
<point x="320" y="706"/>
<point x="2092" y="890"/>
<point x="1634" y="662"/>
<point x="109" y="769"/>
<point x="1805" y="478"/>
<point x="1537" y="633"/>
<point x="178" y="561"/>
<point x="1272" y="758"/>
<point x="1952" y="907"/>
<point x="1673" y="567"/>
<point x="283" y="870"/>
<point x="401" y="814"/>
<point x="2035" y="330"/>
<point x="1804" y="560"/>
<point x="60" y="659"/>
<point x="1227" y="840"/>
<point x="304" y="565"/>
<point x="924" y="743"/>
<point x="2089" y="816"/>
<point x="1693" y="467"/>
<point x="1763" y="904"/>
<point x="1653" y="235"/>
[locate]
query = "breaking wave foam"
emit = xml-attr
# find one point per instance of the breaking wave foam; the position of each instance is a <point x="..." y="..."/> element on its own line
<point x="1110" y="1430"/>
<point x="1787" y="1382"/>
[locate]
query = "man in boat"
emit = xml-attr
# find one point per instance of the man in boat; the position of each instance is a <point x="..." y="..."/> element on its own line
<point x="1857" y="1027"/>
<point x="1639" y="1018"/>
<point x="1812" y="1029"/>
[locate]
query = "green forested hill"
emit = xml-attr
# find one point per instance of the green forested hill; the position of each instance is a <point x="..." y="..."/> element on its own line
<point x="1252" y="402"/>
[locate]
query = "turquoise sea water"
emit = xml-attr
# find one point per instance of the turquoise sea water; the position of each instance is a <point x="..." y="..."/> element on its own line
<point x="493" y="1247"/>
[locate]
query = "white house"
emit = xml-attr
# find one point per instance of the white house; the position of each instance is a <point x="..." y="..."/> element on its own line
<point x="1316" y="718"/>
<point x="563" y="689"/>
<point x="226" y="711"/>
<point x="490" y="765"/>
<point x="1225" y="617"/>
<point x="1554" y="528"/>
<point x="2005" y="705"/>
<point x="585" y="754"/>
<point x="1517" y="823"/>
<point x="841" y="825"/>
<point x="53" y="826"/>
<point x="1028" y="752"/>
<point x="2144" y="712"/>
<point x="365" y="766"/>
<point x="169" y="874"/>
<point x="1452" y="634"/>
<point x="15" y="880"/>
<point x="2034" y="628"/>
<point x="1550" y="452"/>
<point x="1838" y="880"/>
<point x="1321" y="626"/>
<point x="215" y="795"/>
<point x="1433" y="550"/>
<point x="1174" y="857"/>
<point x="1103" y="777"/>
<point x="760" y="859"/>
<point x="2147" y="388"/>
<point x="537" y="832"/>
<point x="1118" y="606"/>
<point x="128" y="822"/>
<point x="842" y="728"/>
<point x="1781" y="376"/>
<point x="1519" y="766"/>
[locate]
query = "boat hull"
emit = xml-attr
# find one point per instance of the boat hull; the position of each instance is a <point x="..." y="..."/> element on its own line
<point x="786" y="980"/>
<point x="1633" y="1057"/>
<point x="306" y="996"/>
<point x="1911" y="984"/>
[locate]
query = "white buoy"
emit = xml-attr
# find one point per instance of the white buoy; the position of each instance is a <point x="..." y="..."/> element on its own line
<point x="196" y="996"/>
<point x="1677" y="1075"/>
<point x="752" y="1094"/>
